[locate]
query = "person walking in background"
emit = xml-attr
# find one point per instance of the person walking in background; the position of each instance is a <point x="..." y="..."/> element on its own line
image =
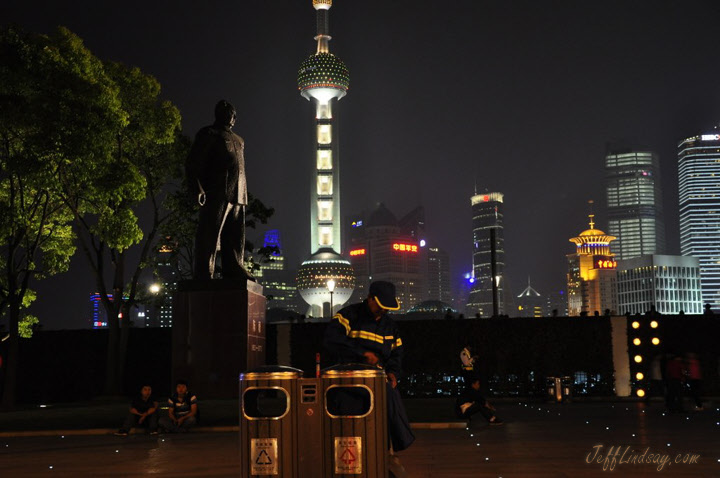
<point x="694" y="378"/>
<point x="182" y="410"/>
<point x="142" y="413"/>
<point x="674" y="375"/>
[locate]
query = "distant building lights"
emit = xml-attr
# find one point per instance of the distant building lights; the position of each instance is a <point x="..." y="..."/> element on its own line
<point x="422" y="243"/>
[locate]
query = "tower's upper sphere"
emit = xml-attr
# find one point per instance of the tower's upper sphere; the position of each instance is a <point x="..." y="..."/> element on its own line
<point x="325" y="72"/>
<point x="322" y="4"/>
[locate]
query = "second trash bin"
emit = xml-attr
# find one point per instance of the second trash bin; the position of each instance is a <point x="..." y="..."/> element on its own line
<point x="355" y="424"/>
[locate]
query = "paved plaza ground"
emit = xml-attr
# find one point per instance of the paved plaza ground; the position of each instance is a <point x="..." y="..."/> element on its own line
<point x="537" y="440"/>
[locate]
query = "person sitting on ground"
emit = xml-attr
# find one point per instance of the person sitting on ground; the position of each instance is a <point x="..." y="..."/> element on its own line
<point x="142" y="413"/>
<point x="471" y="402"/>
<point x="182" y="410"/>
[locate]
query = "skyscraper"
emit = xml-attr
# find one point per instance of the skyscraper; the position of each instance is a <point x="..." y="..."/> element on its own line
<point x="325" y="277"/>
<point x="699" y="198"/>
<point x="592" y="273"/>
<point x="277" y="281"/>
<point x="530" y="303"/>
<point x="487" y="211"/>
<point x="382" y="249"/>
<point x="634" y="199"/>
<point x="438" y="282"/>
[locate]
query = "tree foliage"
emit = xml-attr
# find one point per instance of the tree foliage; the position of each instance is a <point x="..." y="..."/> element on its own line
<point x="57" y="110"/>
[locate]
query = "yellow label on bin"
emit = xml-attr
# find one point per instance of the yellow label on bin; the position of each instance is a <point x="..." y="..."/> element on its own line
<point x="348" y="456"/>
<point x="263" y="456"/>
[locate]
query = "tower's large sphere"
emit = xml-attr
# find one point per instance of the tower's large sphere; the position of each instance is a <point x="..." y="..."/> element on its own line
<point x="324" y="72"/>
<point x="314" y="274"/>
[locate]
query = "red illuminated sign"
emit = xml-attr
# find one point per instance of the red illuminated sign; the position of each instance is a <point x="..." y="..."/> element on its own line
<point x="486" y="198"/>
<point x="606" y="264"/>
<point x="405" y="247"/>
<point x="357" y="252"/>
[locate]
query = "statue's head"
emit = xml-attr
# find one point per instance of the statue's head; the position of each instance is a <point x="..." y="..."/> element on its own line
<point x="224" y="114"/>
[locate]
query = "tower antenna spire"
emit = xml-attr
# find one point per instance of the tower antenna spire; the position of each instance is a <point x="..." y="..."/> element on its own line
<point x="591" y="215"/>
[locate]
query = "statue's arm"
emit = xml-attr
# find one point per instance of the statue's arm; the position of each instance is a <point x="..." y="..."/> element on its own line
<point x="195" y="162"/>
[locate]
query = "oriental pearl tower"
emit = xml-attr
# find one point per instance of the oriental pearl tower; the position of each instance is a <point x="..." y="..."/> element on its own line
<point x="326" y="279"/>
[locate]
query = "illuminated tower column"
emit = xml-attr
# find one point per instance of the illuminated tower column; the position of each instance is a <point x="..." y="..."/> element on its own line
<point x="323" y="78"/>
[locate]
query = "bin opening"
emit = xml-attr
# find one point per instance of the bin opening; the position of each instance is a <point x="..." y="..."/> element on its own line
<point x="348" y="401"/>
<point x="265" y="403"/>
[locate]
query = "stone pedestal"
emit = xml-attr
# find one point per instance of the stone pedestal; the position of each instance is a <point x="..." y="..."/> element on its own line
<point x="218" y="332"/>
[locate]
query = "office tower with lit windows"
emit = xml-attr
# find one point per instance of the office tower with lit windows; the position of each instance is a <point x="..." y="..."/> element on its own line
<point x="592" y="274"/>
<point x="487" y="212"/>
<point x="438" y="275"/>
<point x="382" y="248"/>
<point x="634" y="200"/>
<point x="530" y="303"/>
<point x="325" y="276"/>
<point x="699" y="198"/>
<point x="278" y="282"/>
<point x="668" y="284"/>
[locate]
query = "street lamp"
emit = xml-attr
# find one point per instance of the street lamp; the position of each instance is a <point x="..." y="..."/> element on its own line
<point x="331" y="288"/>
<point x="155" y="288"/>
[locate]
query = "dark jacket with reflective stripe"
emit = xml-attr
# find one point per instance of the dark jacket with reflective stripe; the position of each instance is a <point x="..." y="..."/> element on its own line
<point x="354" y="330"/>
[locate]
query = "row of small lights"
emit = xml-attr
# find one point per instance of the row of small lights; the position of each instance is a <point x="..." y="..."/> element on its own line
<point x="639" y="358"/>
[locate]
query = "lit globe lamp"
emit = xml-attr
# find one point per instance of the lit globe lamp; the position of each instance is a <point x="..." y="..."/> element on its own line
<point x="315" y="273"/>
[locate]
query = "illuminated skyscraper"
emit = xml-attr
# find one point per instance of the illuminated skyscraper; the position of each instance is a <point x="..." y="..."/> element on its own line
<point x="699" y="197"/>
<point x="323" y="78"/>
<point x="487" y="211"/>
<point x="382" y="248"/>
<point x="592" y="273"/>
<point x="634" y="199"/>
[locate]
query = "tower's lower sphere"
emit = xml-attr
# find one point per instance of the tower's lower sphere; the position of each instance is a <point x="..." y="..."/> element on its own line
<point x="314" y="274"/>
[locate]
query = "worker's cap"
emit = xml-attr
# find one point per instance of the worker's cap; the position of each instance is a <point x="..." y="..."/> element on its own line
<point x="384" y="293"/>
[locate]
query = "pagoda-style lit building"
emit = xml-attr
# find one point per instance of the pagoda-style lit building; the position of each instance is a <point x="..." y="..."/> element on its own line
<point x="322" y="78"/>
<point x="592" y="274"/>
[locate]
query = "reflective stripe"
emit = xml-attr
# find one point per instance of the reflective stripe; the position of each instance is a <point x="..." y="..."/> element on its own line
<point x="398" y="343"/>
<point x="344" y="322"/>
<point x="363" y="334"/>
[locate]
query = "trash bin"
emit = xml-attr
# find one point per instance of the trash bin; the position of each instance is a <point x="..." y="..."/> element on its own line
<point x="268" y="427"/>
<point x="559" y="388"/>
<point x="355" y="424"/>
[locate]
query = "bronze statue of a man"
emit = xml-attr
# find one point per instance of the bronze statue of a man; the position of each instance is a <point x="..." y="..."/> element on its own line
<point x="216" y="177"/>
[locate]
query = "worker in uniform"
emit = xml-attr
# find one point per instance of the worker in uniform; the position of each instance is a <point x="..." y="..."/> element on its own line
<point x="363" y="333"/>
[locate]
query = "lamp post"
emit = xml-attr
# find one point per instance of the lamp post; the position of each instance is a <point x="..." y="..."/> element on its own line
<point x="331" y="288"/>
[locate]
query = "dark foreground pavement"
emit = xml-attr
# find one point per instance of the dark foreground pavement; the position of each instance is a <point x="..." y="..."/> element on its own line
<point x="538" y="440"/>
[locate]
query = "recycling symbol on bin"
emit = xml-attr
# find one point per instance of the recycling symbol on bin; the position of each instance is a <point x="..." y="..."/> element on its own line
<point x="263" y="459"/>
<point x="347" y="457"/>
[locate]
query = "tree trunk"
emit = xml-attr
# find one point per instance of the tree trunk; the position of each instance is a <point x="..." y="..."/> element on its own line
<point x="124" y="329"/>
<point x="9" y="396"/>
<point x="113" y="308"/>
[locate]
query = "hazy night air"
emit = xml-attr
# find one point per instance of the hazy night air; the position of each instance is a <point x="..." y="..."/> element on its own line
<point x="517" y="97"/>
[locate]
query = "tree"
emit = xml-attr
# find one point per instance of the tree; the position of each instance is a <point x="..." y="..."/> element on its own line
<point x="56" y="105"/>
<point x="147" y="152"/>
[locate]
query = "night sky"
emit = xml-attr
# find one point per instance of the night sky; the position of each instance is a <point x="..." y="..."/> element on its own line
<point x="519" y="97"/>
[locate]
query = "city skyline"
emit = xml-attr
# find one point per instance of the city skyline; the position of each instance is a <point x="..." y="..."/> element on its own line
<point x="517" y="98"/>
